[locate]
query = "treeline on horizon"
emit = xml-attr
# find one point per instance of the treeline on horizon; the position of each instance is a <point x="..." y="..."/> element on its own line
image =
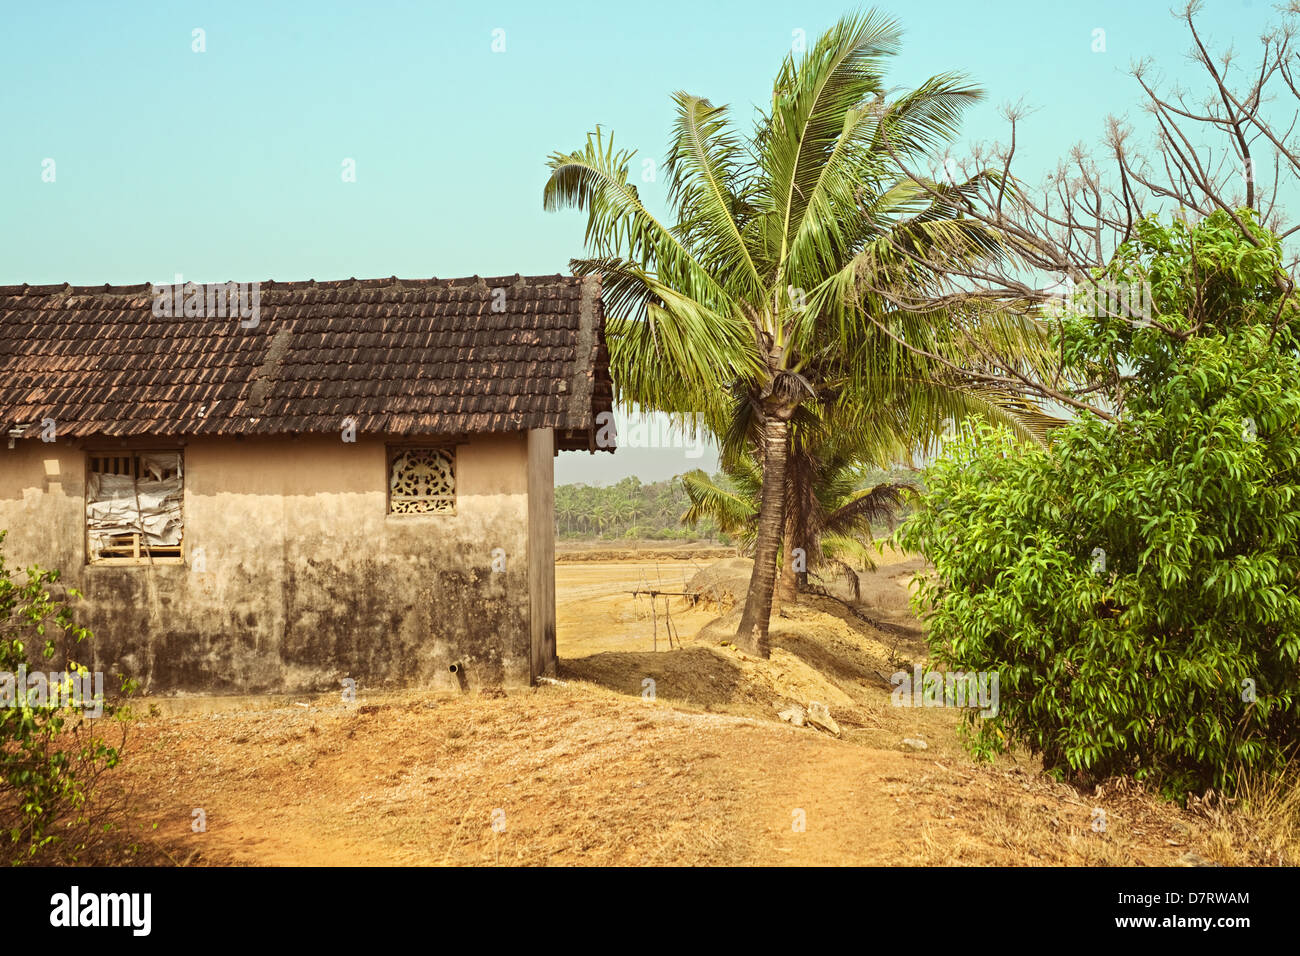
<point x="652" y="511"/>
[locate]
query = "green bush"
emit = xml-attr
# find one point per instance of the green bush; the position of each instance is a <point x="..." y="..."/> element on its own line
<point x="1135" y="582"/>
<point x="50" y="754"/>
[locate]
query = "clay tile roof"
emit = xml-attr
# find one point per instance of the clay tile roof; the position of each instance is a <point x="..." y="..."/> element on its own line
<point x="397" y="356"/>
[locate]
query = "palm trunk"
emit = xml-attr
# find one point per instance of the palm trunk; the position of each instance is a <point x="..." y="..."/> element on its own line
<point x="787" y="585"/>
<point x="752" y="633"/>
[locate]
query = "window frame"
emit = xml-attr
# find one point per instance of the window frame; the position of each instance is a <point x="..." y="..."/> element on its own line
<point x="392" y="450"/>
<point x="141" y="557"/>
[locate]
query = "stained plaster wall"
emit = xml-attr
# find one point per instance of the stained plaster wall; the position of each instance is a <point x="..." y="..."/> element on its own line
<point x="306" y="579"/>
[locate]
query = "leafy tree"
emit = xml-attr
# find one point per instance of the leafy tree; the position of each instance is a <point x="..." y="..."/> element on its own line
<point x="756" y="286"/>
<point x="1134" y="583"/>
<point x="49" y="756"/>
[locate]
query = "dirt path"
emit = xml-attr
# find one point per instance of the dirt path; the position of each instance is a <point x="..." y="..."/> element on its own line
<point x="583" y="777"/>
<point x="593" y="773"/>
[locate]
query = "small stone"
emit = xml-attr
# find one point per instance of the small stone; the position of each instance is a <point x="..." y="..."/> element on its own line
<point x="912" y="743"/>
<point x="792" y="715"/>
<point x="1194" y="859"/>
<point x="819" y="716"/>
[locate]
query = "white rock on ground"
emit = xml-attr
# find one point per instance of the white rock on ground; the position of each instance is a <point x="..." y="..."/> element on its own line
<point x="792" y="715"/>
<point x="819" y="716"/>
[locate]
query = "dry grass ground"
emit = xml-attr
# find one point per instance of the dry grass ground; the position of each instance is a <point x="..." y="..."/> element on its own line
<point x="593" y="772"/>
<point x="582" y="775"/>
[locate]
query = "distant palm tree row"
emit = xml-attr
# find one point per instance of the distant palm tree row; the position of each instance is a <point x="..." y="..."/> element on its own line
<point x="687" y="508"/>
<point x="629" y="509"/>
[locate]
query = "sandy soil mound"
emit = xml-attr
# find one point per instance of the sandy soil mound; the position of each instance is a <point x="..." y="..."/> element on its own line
<point x="821" y="651"/>
<point x="722" y="584"/>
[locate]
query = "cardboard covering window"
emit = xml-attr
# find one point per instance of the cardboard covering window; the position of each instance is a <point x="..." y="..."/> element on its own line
<point x="133" y="505"/>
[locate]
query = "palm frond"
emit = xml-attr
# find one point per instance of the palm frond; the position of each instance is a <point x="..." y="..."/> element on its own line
<point x="811" y="99"/>
<point x="732" y="512"/>
<point x="868" y="505"/>
<point x="703" y="165"/>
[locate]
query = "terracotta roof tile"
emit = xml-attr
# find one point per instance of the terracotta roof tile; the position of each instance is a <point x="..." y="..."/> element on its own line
<point x="399" y="356"/>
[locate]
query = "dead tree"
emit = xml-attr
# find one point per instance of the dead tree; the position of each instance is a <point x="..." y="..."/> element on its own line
<point x="1228" y="146"/>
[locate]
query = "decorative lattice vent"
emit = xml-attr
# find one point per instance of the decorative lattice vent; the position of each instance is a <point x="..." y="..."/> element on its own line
<point x="422" y="481"/>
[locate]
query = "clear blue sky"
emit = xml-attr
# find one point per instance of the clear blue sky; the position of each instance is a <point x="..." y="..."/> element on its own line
<point x="227" y="164"/>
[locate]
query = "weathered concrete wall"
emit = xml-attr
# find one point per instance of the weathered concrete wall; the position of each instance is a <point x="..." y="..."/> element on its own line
<point x="541" y="545"/>
<point x="307" y="579"/>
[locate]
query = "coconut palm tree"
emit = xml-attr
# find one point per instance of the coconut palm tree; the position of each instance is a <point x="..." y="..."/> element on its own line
<point x="760" y="282"/>
<point x="830" y="507"/>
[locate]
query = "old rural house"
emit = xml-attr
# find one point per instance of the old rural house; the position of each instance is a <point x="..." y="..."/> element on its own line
<point x="300" y="483"/>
